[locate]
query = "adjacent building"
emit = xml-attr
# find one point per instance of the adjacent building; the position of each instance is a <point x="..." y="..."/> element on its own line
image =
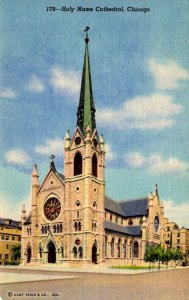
<point x="10" y="236"/>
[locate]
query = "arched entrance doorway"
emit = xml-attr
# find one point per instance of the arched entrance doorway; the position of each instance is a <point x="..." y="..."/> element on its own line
<point x="51" y="253"/>
<point x="29" y="255"/>
<point x="94" y="253"/>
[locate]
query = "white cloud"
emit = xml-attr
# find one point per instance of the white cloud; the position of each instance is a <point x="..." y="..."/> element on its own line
<point x="35" y="85"/>
<point x="7" y="93"/>
<point x="151" y="112"/>
<point x="156" y="164"/>
<point x="135" y="160"/>
<point x="12" y="210"/>
<point x="17" y="157"/>
<point x="177" y="213"/>
<point x="51" y="146"/>
<point x="167" y="76"/>
<point x="110" y="155"/>
<point x="66" y="81"/>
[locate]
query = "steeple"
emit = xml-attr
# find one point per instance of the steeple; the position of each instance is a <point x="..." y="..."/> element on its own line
<point x="86" y="109"/>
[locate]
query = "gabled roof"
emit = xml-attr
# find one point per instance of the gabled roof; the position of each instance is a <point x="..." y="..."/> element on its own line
<point x="137" y="207"/>
<point x="60" y="176"/>
<point x="127" y="230"/>
<point x="130" y="208"/>
<point x="113" y="206"/>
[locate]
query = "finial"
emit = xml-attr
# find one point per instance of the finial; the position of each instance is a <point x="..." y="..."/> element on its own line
<point x="23" y="208"/>
<point x="101" y="140"/>
<point x="67" y="140"/>
<point x="52" y="165"/>
<point x="52" y="157"/>
<point x="67" y="135"/>
<point x="23" y="213"/>
<point x="86" y="38"/>
<point x="156" y="189"/>
<point x="35" y="171"/>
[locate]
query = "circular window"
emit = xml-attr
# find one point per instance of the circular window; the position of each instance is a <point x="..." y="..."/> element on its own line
<point x="77" y="140"/>
<point x="95" y="143"/>
<point x="77" y="242"/>
<point x="52" y="208"/>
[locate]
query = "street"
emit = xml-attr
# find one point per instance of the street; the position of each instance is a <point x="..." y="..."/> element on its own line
<point x="161" y="285"/>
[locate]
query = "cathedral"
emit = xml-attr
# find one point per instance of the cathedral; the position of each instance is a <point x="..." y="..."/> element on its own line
<point x="72" y="221"/>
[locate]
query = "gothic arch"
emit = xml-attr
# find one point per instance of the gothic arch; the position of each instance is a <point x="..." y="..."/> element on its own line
<point x="94" y="165"/>
<point x="51" y="195"/>
<point x="135" y="249"/>
<point x="77" y="164"/>
<point x="106" y="245"/>
<point x="119" y="247"/>
<point x="125" y="248"/>
<point x="112" y="246"/>
<point x="51" y="252"/>
<point x="130" y="222"/>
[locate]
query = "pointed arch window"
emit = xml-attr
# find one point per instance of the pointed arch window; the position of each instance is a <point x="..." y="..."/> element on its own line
<point x="124" y="248"/>
<point x="130" y="222"/>
<point x="75" y="226"/>
<point x="62" y="251"/>
<point x="94" y="165"/>
<point x="79" y="226"/>
<point x="77" y="164"/>
<point x="80" y="251"/>
<point x="106" y="245"/>
<point x="135" y="249"/>
<point x="74" y="252"/>
<point x="112" y="247"/>
<point x="119" y="248"/>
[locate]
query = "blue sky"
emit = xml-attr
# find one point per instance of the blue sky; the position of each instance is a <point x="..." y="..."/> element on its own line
<point x="140" y="75"/>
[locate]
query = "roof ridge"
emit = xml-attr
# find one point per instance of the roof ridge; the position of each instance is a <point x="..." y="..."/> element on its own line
<point x="132" y="200"/>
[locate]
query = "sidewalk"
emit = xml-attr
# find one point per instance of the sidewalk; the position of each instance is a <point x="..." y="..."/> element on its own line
<point x="92" y="269"/>
<point x="12" y="277"/>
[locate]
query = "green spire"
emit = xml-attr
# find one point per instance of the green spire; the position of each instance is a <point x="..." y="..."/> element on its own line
<point x="86" y="109"/>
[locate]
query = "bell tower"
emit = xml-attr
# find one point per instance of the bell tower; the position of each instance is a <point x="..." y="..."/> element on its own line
<point x="84" y="179"/>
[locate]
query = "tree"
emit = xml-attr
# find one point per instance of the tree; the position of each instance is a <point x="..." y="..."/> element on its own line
<point x="176" y="255"/>
<point x="149" y="255"/>
<point x="16" y="253"/>
<point x="159" y="253"/>
<point x="167" y="256"/>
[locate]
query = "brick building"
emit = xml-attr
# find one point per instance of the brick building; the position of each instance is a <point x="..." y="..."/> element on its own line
<point x="10" y="236"/>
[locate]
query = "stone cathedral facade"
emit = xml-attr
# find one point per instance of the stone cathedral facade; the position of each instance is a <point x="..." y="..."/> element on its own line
<point x="71" y="220"/>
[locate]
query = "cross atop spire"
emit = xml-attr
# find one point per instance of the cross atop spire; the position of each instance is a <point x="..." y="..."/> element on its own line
<point x="52" y="165"/>
<point x="86" y="109"/>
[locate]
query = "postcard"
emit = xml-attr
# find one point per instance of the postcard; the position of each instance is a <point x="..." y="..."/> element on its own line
<point x="94" y="149"/>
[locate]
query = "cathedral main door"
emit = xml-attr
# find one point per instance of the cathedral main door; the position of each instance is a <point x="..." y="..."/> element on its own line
<point x="51" y="253"/>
